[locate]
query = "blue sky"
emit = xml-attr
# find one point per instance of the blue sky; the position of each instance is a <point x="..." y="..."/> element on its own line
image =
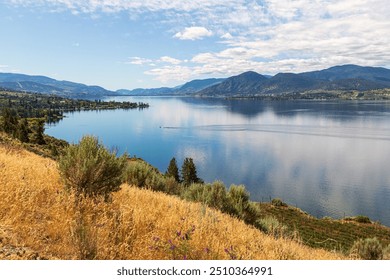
<point x="152" y="43"/>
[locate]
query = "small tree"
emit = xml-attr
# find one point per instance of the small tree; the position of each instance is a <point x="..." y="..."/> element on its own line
<point x="9" y="121"/>
<point x="38" y="129"/>
<point x="173" y="170"/>
<point x="188" y="172"/>
<point x="90" y="168"/>
<point x="22" y="131"/>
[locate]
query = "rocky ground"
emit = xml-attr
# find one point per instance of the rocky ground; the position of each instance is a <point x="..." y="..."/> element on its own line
<point x="8" y="251"/>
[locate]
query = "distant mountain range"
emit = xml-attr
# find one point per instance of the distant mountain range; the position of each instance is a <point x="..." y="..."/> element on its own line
<point x="342" y="78"/>
<point x="45" y="85"/>
<point x="188" y="88"/>
<point x="337" y="78"/>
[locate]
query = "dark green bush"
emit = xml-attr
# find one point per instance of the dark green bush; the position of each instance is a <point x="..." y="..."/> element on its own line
<point x="367" y="249"/>
<point x="362" y="219"/>
<point x="89" y="168"/>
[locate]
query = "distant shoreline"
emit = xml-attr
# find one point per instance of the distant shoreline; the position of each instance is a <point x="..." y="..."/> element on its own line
<point x="372" y="95"/>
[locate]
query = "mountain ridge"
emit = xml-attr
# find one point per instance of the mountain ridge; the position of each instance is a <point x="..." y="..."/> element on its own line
<point x="46" y="85"/>
<point x="347" y="77"/>
<point x="342" y="77"/>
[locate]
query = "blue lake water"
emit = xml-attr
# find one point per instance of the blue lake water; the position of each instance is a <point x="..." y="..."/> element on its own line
<point x="328" y="158"/>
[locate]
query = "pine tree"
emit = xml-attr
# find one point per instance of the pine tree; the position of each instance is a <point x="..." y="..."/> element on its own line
<point x="188" y="172"/>
<point x="173" y="170"/>
<point x="22" y="131"/>
<point x="9" y="121"/>
<point x="38" y="129"/>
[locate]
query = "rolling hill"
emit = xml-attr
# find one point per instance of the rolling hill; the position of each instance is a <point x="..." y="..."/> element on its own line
<point x="46" y="85"/>
<point x="39" y="219"/>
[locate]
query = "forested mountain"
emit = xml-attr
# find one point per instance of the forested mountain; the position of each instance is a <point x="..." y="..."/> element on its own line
<point x="375" y="74"/>
<point x="342" y="78"/>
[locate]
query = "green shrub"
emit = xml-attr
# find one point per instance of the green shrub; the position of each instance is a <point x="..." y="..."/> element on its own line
<point x="143" y="175"/>
<point x="272" y="226"/>
<point x="386" y="253"/>
<point x="89" y="168"/>
<point x="171" y="186"/>
<point x="240" y="206"/>
<point x="194" y="193"/>
<point x="367" y="249"/>
<point x="138" y="172"/>
<point x="278" y="202"/>
<point x="362" y="219"/>
<point x="213" y="195"/>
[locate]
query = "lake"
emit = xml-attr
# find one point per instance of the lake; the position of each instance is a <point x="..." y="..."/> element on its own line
<point x="327" y="158"/>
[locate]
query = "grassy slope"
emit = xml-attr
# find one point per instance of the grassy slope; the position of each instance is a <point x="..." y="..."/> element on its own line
<point x="38" y="219"/>
<point x="325" y="233"/>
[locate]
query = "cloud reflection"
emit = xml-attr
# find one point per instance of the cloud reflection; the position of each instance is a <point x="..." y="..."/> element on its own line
<point x="328" y="159"/>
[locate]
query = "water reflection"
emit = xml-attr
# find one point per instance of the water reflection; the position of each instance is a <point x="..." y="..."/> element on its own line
<point x="329" y="158"/>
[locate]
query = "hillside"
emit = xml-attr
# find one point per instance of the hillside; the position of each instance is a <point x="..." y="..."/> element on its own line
<point x="244" y="84"/>
<point x="342" y="78"/>
<point x="40" y="220"/>
<point x="46" y="85"/>
<point x="344" y="72"/>
<point x="338" y="82"/>
<point x="188" y="88"/>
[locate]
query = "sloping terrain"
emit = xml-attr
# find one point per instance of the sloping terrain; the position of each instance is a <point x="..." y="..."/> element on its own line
<point x="43" y="220"/>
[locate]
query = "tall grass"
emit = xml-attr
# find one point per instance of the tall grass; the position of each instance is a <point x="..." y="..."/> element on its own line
<point x="38" y="213"/>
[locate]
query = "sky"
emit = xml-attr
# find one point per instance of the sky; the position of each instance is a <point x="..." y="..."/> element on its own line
<point x="121" y="44"/>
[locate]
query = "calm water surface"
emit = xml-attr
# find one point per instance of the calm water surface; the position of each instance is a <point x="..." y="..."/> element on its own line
<point x="328" y="158"/>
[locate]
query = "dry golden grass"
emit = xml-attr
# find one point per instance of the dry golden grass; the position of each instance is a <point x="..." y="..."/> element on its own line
<point x="37" y="213"/>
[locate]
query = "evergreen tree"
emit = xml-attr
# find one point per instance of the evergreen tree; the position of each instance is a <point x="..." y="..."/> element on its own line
<point x="173" y="170"/>
<point x="9" y="121"/>
<point x="188" y="172"/>
<point x="38" y="129"/>
<point x="22" y="131"/>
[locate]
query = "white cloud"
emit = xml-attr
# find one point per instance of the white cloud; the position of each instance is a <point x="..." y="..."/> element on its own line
<point x="135" y="60"/>
<point x="171" y="73"/>
<point x="170" y="60"/>
<point x="270" y="36"/>
<point x="227" y="36"/>
<point x="8" y="69"/>
<point x="301" y="36"/>
<point x="110" y="6"/>
<point x="193" y="33"/>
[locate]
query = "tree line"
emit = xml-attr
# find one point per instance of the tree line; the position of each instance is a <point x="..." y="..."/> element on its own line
<point x="52" y="107"/>
<point x="188" y="172"/>
<point x="26" y="130"/>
